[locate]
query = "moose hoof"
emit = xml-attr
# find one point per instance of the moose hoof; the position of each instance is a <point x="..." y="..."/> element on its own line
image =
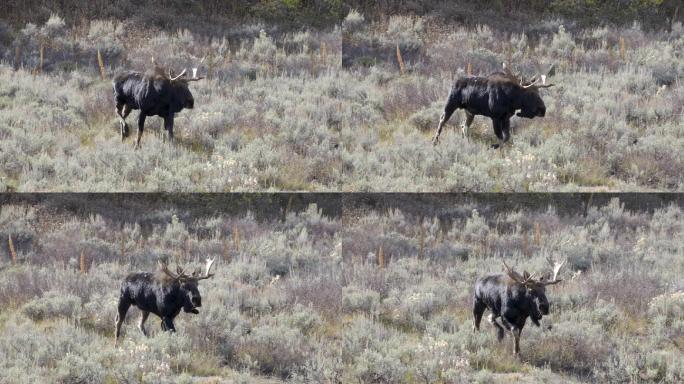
<point x="435" y="141"/>
<point x="496" y="146"/>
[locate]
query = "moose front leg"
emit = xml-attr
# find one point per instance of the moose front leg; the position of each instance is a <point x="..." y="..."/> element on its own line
<point x="167" y="324"/>
<point x="502" y="131"/>
<point x="141" y="324"/>
<point x="513" y="324"/>
<point x="506" y="129"/>
<point x="141" y="127"/>
<point x="168" y="125"/>
<point x="516" y="340"/>
<point x="499" y="328"/>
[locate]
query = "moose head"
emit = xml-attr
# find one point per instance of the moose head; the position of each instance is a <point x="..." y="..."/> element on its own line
<point x="188" y="283"/>
<point x="531" y="102"/>
<point x="179" y="84"/>
<point x="536" y="285"/>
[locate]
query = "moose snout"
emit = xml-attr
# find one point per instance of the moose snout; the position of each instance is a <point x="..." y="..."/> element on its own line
<point x="189" y="104"/>
<point x="541" y="112"/>
<point x="196" y="302"/>
<point x="544" y="309"/>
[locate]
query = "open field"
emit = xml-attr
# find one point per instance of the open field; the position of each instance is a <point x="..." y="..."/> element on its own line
<point x="614" y="120"/>
<point x="296" y="105"/>
<point x="302" y="296"/>
<point x="265" y="118"/>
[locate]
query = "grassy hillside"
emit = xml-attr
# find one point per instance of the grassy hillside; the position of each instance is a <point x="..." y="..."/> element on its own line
<point x="614" y="119"/>
<point x="299" y="108"/>
<point x="621" y="280"/>
<point x="304" y="299"/>
<point x="265" y="118"/>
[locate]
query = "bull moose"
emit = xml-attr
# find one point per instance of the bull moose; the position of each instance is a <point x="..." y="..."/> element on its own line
<point x="497" y="96"/>
<point x="513" y="298"/>
<point x="163" y="293"/>
<point x="154" y="93"/>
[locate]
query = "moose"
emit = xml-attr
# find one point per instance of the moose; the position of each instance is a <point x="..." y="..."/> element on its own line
<point x="163" y="293"/>
<point x="496" y="96"/>
<point x="513" y="298"/>
<point x="154" y="93"/>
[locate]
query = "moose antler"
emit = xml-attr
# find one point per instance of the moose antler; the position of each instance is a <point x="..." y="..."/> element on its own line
<point x="194" y="76"/>
<point x="534" y="80"/>
<point x="179" y="76"/>
<point x="159" y="71"/>
<point x="182" y="75"/>
<point x="207" y="275"/>
<point x="180" y="274"/>
<point x="556" y="266"/>
<point x="526" y="278"/>
<point x="513" y="76"/>
<point x="534" y="85"/>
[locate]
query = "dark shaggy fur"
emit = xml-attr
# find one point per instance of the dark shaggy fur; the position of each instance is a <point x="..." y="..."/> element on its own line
<point x="154" y="95"/>
<point x="497" y="96"/>
<point x="155" y="293"/>
<point x="512" y="302"/>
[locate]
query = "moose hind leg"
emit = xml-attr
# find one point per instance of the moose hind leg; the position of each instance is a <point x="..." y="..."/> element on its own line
<point x="120" y="317"/>
<point x="448" y="111"/>
<point x="478" y="310"/>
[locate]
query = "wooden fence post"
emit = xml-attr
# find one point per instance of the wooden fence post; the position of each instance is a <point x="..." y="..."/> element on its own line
<point x="13" y="252"/>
